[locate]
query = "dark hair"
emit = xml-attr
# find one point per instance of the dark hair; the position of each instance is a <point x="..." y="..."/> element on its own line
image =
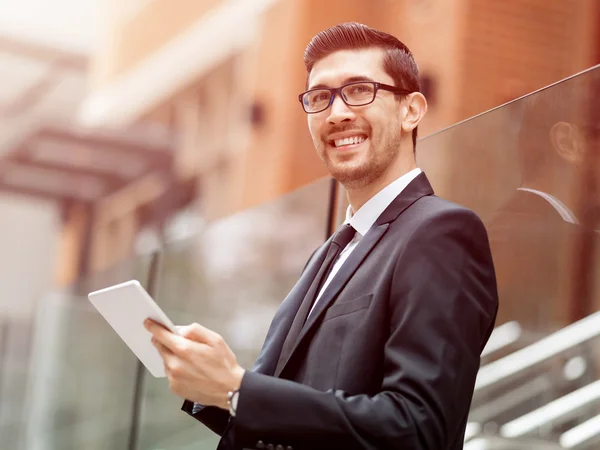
<point x="399" y="62"/>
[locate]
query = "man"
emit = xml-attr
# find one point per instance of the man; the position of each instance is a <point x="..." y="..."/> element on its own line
<point x="540" y="237"/>
<point x="376" y="347"/>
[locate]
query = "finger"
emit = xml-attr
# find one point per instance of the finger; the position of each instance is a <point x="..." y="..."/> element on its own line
<point x="152" y="325"/>
<point x="163" y="350"/>
<point x="198" y="333"/>
<point x="170" y="340"/>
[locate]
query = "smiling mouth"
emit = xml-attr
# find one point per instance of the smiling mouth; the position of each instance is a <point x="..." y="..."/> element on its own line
<point x="347" y="142"/>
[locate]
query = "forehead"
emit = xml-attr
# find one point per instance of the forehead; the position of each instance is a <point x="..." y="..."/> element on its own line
<point x="334" y="69"/>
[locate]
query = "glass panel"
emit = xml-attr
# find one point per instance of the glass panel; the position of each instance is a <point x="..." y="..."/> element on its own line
<point x="81" y="380"/>
<point x="530" y="169"/>
<point x="231" y="278"/>
<point x="543" y="143"/>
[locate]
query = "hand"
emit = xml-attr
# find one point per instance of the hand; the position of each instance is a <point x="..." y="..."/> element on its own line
<point x="198" y="362"/>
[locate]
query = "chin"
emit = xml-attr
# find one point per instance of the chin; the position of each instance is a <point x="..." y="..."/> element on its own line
<point x="354" y="178"/>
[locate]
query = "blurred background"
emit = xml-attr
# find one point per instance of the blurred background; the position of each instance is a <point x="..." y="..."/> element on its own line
<point x="162" y="140"/>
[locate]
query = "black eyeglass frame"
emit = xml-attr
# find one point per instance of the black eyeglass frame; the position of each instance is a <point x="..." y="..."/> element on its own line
<point x="335" y="91"/>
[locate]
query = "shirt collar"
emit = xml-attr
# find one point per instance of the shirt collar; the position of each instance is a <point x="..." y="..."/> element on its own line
<point x="368" y="213"/>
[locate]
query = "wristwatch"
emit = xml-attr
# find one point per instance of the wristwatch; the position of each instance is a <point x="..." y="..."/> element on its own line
<point x="232" y="401"/>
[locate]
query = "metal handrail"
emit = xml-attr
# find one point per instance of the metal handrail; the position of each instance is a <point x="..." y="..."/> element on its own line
<point x="524" y="394"/>
<point x="472" y="430"/>
<point x="498" y="443"/>
<point x="560" y="409"/>
<point x="582" y="435"/>
<point x="526" y="358"/>
<point x="502" y="336"/>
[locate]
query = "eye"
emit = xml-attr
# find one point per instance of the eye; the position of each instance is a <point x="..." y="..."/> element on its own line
<point x="361" y="89"/>
<point x="318" y="96"/>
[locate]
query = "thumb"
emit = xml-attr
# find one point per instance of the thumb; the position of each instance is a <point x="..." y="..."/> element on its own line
<point x="198" y="333"/>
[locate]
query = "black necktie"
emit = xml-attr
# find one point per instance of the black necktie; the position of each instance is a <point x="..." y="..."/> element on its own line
<point x="340" y="240"/>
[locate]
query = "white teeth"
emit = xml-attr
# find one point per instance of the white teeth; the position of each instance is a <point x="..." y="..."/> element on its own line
<point x="349" y="141"/>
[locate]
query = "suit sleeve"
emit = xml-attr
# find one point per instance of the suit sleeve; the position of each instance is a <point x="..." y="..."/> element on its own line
<point x="214" y="418"/>
<point x="442" y="306"/>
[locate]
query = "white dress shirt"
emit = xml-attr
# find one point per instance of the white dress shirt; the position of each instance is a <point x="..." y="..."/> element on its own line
<point x="364" y="219"/>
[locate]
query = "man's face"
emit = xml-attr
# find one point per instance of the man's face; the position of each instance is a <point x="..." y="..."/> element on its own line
<point x="379" y="123"/>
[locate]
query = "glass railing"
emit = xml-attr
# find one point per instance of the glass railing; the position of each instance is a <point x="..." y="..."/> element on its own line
<point x="530" y="169"/>
<point x="82" y="377"/>
<point x="81" y="387"/>
<point x="231" y="278"/>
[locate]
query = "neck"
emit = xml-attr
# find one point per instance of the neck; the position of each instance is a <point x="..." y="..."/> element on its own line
<point x="358" y="196"/>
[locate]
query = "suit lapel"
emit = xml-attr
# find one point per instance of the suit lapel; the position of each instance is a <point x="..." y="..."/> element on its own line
<point x="281" y="323"/>
<point x="340" y="279"/>
<point x="363" y="248"/>
<point x="418" y="188"/>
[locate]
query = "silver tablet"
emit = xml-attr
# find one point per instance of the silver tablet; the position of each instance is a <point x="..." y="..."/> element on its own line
<point x="125" y="306"/>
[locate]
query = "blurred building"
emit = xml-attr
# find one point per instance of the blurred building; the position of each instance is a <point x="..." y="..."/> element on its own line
<point x="197" y="104"/>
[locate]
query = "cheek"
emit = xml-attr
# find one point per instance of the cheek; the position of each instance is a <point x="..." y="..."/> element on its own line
<point x="377" y="121"/>
<point x="385" y="127"/>
<point x="314" y="128"/>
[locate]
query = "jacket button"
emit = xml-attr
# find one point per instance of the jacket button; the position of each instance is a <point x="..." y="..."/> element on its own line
<point x="270" y="447"/>
<point x="260" y="445"/>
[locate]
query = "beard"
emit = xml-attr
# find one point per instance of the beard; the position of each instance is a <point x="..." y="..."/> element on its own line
<point x="357" y="171"/>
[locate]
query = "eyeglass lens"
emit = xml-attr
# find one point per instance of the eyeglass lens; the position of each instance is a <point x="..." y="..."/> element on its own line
<point x="355" y="94"/>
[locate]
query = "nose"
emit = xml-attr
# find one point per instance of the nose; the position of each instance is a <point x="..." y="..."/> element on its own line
<point x="340" y="112"/>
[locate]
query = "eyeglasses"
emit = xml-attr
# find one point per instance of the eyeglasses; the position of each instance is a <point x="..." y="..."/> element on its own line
<point x="359" y="93"/>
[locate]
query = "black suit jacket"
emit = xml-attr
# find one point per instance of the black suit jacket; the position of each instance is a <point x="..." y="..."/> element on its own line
<point x="388" y="358"/>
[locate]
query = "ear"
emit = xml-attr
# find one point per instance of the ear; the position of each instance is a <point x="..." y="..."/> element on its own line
<point x="416" y="108"/>
<point x="566" y="142"/>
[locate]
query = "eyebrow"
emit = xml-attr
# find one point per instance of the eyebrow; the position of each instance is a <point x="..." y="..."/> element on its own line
<point x="353" y="79"/>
